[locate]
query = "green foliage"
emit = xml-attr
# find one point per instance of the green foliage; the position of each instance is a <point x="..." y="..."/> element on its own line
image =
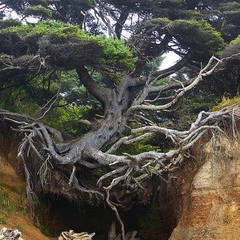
<point x="161" y="21"/>
<point x="193" y="103"/>
<point x="17" y="100"/>
<point x="52" y="28"/>
<point x="188" y="37"/>
<point x="153" y="65"/>
<point x="66" y="118"/>
<point x="115" y="53"/>
<point x="153" y="25"/>
<point x="2" y="220"/>
<point x="89" y="2"/>
<point x="232" y="54"/>
<point x="74" y="103"/>
<point x="68" y="11"/>
<point x="38" y="11"/>
<point x="190" y="14"/>
<point x="199" y="36"/>
<point x="233" y="16"/>
<point x="198" y="101"/>
<point x="69" y="80"/>
<point x="193" y="13"/>
<point x="226" y="102"/>
<point x="111" y="53"/>
<point x="24" y="211"/>
<point x="6" y="23"/>
<point x="137" y="147"/>
<point x="236" y="41"/>
<point x="6" y="204"/>
<point x="228" y="6"/>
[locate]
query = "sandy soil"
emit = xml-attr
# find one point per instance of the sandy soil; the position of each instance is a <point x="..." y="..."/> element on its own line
<point x="13" y="204"/>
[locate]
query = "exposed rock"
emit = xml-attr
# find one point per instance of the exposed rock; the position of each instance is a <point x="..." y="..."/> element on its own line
<point x="213" y="203"/>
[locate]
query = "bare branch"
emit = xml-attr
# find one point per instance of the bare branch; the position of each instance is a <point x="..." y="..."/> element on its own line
<point x="99" y="13"/>
<point x="207" y="70"/>
<point x="116" y="213"/>
<point x="98" y="91"/>
<point x="126" y="141"/>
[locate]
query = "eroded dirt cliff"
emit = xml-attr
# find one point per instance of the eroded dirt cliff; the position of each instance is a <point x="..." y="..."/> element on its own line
<point x="14" y="211"/>
<point x="211" y="203"/>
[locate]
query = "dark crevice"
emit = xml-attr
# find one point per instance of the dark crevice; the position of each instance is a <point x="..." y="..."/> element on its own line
<point x="154" y="221"/>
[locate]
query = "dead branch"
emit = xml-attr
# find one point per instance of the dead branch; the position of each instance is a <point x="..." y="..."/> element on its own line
<point x="111" y="205"/>
<point x="206" y="71"/>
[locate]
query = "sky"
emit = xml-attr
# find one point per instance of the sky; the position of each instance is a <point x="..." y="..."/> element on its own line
<point x="169" y="60"/>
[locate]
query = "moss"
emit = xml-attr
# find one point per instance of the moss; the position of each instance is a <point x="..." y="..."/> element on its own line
<point x="137" y="148"/>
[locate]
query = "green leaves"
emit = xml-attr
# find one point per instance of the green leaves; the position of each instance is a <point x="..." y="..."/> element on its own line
<point x="232" y="51"/>
<point x="236" y="41"/>
<point x="38" y="11"/>
<point x="66" y="118"/>
<point x="116" y="54"/>
<point x="185" y="37"/>
<point x="6" y="23"/>
<point x="67" y="45"/>
<point x="51" y="28"/>
<point x="198" y="36"/>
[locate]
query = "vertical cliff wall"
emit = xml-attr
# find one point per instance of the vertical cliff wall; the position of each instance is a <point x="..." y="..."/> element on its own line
<point x="211" y="205"/>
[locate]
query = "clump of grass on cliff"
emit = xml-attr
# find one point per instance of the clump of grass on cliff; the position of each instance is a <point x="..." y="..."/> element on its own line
<point x="6" y="204"/>
<point x="226" y="102"/>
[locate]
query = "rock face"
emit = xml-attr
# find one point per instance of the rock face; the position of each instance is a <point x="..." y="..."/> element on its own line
<point x="211" y="203"/>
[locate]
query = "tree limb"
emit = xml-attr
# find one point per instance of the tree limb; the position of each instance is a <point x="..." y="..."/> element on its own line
<point x="207" y="70"/>
<point x="99" y="92"/>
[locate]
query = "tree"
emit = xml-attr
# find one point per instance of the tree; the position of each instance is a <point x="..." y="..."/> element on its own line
<point x="122" y="77"/>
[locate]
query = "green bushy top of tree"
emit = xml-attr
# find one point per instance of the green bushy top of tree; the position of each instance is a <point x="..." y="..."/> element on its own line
<point x="71" y="39"/>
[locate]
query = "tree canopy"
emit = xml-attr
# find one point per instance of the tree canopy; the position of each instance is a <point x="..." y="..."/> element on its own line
<point x="92" y="69"/>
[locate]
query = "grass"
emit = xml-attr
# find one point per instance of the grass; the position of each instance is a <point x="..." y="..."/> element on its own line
<point x="2" y="220"/>
<point x="6" y="204"/>
<point x="226" y="102"/>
